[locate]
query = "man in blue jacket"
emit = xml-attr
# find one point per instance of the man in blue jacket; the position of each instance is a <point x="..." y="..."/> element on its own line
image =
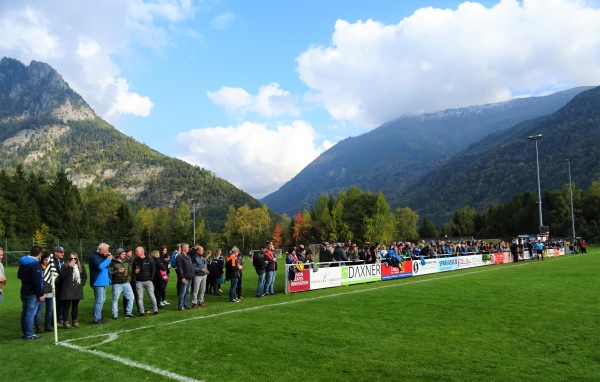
<point x="100" y="279"/>
<point x="32" y="289"/>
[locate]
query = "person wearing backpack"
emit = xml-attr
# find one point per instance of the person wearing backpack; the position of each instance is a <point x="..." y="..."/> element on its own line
<point x="260" y="265"/>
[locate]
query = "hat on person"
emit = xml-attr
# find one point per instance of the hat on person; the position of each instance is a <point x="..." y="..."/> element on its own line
<point x="120" y="250"/>
<point x="59" y="249"/>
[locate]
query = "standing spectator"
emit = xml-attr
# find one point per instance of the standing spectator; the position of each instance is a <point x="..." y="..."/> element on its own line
<point x="32" y="290"/>
<point x="159" y="282"/>
<point x="200" y="264"/>
<point x="120" y="270"/>
<point x="185" y="275"/>
<point x="2" y="274"/>
<point x="271" y="269"/>
<point x="260" y="265"/>
<point x="166" y="260"/>
<point x="59" y="254"/>
<point x="129" y="259"/>
<point x="217" y="267"/>
<point x="233" y="273"/>
<point x="514" y="250"/>
<point x="47" y="299"/>
<point x="583" y="246"/>
<point x="144" y="270"/>
<point x="240" y="264"/>
<point x="73" y="279"/>
<point x="100" y="279"/>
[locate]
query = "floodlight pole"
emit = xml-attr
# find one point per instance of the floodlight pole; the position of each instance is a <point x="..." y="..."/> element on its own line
<point x="536" y="138"/>
<point x="572" y="212"/>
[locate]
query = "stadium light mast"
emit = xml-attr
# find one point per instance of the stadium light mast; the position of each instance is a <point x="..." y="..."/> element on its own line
<point x="536" y="138"/>
<point x="571" y="188"/>
<point x="194" y="215"/>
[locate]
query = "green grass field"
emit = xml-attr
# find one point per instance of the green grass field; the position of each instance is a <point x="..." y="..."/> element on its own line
<point x="531" y="321"/>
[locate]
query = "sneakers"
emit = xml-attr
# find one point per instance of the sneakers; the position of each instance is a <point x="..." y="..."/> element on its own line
<point x="75" y="324"/>
<point x="235" y="300"/>
<point x="115" y="317"/>
<point x="166" y="302"/>
<point x="240" y="298"/>
<point x="220" y="291"/>
<point x="129" y="315"/>
<point x="141" y="314"/>
<point x="181" y="309"/>
<point x="195" y="306"/>
<point x="155" y="312"/>
<point x="188" y="307"/>
<point x="33" y="337"/>
<point x="99" y="322"/>
<point x="202" y="304"/>
<point x="66" y="325"/>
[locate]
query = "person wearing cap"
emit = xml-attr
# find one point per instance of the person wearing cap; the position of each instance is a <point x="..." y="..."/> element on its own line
<point x="59" y="254"/>
<point x="100" y="279"/>
<point x="129" y="259"/>
<point x="120" y="270"/>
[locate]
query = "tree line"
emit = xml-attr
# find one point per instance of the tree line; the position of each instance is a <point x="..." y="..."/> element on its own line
<point x="49" y="213"/>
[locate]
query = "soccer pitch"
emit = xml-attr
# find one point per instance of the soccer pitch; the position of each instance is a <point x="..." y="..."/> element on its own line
<point x="524" y="321"/>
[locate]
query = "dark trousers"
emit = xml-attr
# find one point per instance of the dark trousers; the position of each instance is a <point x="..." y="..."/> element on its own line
<point x="72" y="305"/>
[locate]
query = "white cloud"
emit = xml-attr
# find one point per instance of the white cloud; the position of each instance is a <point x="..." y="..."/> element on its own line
<point x="251" y="156"/>
<point x="437" y="59"/>
<point x="80" y="38"/>
<point x="223" y="21"/>
<point x="270" y="101"/>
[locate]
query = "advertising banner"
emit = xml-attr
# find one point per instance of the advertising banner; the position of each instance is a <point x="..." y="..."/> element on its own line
<point x="326" y="278"/>
<point x="301" y="282"/>
<point x="447" y="264"/>
<point x="498" y="258"/>
<point x="389" y="273"/>
<point x="470" y="261"/>
<point x="430" y="266"/>
<point x="356" y="274"/>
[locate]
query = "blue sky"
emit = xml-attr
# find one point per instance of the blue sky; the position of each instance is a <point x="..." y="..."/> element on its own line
<point x="256" y="90"/>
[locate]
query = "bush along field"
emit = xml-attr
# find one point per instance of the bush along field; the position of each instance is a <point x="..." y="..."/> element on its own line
<point x="512" y="322"/>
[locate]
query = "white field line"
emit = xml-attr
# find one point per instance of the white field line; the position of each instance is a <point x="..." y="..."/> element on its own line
<point x="112" y="336"/>
<point x="131" y="363"/>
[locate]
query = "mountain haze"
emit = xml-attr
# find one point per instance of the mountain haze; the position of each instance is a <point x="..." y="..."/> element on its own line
<point x="47" y="127"/>
<point x="399" y="152"/>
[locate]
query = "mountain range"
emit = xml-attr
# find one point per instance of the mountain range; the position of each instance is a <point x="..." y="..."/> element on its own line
<point x="47" y="127"/>
<point x="409" y="159"/>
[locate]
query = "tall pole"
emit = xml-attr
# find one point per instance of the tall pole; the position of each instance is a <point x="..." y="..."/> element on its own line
<point x="571" y="188"/>
<point x="536" y="138"/>
<point x="194" y="217"/>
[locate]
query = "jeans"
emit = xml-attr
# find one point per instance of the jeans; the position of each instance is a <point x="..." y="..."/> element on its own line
<point x="232" y="290"/>
<point x="199" y="285"/>
<point x="30" y="306"/>
<point x="48" y="317"/>
<point x="260" y="289"/>
<point x="149" y="286"/>
<point x="270" y="282"/>
<point x="184" y="293"/>
<point x="99" y="297"/>
<point x="117" y="289"/>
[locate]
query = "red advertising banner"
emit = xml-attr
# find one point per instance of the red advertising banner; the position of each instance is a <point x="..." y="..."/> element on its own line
<point x="498" y="258"/>
<point x="301" y="282"/>
<point x="388" y="272"/>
